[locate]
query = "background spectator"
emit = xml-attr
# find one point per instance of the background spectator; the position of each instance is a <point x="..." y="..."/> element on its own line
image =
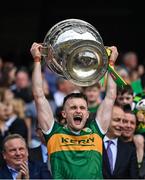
<point x="119" y="158"/>
<point x="17" y="165"/>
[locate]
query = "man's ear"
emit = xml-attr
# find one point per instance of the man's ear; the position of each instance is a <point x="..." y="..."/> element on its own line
<point x="3" y="153"/>
<point x="88" y="114"/>
<point x="63" y="114"/>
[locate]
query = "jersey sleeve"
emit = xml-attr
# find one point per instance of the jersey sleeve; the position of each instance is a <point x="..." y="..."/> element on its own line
<point x="95" y="128"/>
<point x="56" y="127"/>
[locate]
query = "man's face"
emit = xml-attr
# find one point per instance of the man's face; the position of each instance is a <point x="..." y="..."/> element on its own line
<point x="15" y="152"/>
<point x="3" y="112"/>
<point x="10" y="109"/>
<point x="125" y="99"/>
<point x="92" y="94"/>
<point x="115" y="128"/>
<point x="129" y="125"/>
<point x="76" y="113"/>
<point x="22" y="80"/>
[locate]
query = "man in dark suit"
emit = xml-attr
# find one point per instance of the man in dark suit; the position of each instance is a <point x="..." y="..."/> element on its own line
<point x="17" y="165"/>
<point x="39" y="153"/>
<point x="119" y="158"/>
<point x="129" y="135"/>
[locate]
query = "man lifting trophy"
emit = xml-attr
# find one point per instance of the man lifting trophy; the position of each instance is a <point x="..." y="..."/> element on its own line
<point x="74" y="50"/>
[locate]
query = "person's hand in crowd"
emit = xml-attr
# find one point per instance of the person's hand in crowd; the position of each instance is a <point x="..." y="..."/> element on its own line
<point x="24" y="171"/>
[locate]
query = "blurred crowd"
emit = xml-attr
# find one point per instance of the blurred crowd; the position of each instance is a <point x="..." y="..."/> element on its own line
<point x="18" y="114"/>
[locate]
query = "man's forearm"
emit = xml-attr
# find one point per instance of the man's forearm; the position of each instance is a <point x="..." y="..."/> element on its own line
<point x="44" y="111"/>
<point x="111" y="88"/>
<point x="37" y="82"/>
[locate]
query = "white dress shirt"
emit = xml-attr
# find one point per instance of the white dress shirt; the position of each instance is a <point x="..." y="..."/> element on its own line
<point x="113" y="147"/>
<point x="13" y="172"/>
<point x="44" y="153"/>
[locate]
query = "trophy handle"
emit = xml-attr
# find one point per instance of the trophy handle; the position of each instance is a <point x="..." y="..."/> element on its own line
<point x="117" y="78"/>
<point x="44" y="50"/>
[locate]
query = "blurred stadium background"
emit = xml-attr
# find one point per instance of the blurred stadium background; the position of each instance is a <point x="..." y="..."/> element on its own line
<point x="120" y="23"/>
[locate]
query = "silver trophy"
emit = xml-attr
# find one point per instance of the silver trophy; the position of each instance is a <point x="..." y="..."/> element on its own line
<point x="74" y="50"/>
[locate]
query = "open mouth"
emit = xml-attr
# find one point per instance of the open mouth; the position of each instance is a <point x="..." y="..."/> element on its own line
<point x="77" y="119"/>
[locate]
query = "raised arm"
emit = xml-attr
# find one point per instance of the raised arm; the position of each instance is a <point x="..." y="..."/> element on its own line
<point x="45" y="114"/>
<point x="104" y="112"/>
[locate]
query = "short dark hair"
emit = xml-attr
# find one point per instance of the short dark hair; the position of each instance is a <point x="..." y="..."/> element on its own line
<point x="97" y="85"/>
<point x="74" y="95"/>
<point x="58" y="113"/>
<point x="12" y="136"/>
<point x="126" y="89"/>
<point x="23" y="69"/>
<point x="127" y="109"/>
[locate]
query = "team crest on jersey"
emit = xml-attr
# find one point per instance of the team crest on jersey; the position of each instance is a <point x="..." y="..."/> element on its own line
<point x="87" y="130"/>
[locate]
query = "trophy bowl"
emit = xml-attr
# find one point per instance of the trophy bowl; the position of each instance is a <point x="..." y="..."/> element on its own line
<point x="74" y="50"/>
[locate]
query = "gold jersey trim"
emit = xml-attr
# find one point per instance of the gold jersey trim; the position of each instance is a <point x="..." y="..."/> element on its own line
<point x="63" y="142"/>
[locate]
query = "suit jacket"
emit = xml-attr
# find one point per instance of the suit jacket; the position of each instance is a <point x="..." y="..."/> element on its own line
<point x="37" y="170"/>
<point x="18" y="126"/>
<point x="126" y="162"/>
<point x="35" y="154"/>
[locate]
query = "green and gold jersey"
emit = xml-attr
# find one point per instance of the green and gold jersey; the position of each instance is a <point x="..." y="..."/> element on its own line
<point x="140" y="129"/>
<point x="75" y="156"/>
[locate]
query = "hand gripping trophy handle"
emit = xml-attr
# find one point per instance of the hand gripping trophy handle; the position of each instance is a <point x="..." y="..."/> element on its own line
<point x="117" y="78"/>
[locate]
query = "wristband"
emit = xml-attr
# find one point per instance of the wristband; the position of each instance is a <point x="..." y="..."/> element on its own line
<point x="37" y="59"/>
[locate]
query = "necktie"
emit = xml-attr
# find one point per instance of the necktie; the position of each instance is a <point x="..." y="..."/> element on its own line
<point x="110" y="155"/>
<point x="13" y="172"/>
